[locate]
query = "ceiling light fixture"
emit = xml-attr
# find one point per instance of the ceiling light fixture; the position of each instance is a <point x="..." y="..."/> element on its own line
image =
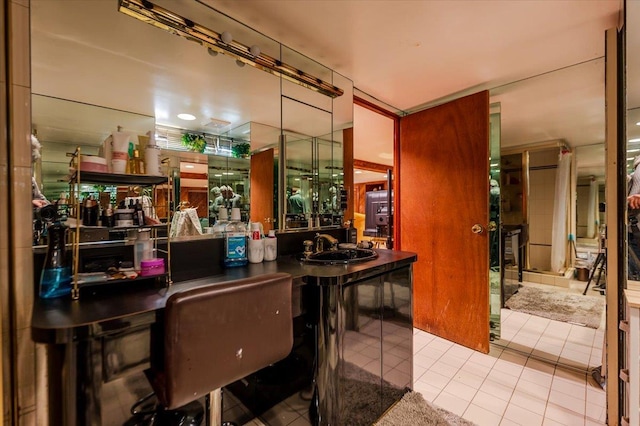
<point x="188" y="117"/>
<point x="633" y="150"/>
<point x="189" y="166"/>
<point x="634" y="140"/>
<point x="217" y="123"/>
<point x="638" y="123"/>
<point x="223" y="43"/>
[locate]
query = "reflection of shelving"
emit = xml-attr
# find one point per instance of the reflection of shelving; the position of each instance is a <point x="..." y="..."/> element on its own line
<point x="97" y="178"/>
<point x="118" y="179"/>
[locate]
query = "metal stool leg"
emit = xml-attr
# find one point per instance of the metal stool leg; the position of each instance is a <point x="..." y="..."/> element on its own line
<point x="599" y="259"/>
<point x="214" y="409"/>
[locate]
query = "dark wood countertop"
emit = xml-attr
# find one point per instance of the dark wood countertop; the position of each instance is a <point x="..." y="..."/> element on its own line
<point x="53" y="319"/>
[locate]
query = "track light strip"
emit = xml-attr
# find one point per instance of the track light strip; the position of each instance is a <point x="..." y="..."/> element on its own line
<point x="162" y="18"/>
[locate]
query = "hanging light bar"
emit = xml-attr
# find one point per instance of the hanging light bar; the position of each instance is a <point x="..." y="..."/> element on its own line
<point x="162" y="18"/>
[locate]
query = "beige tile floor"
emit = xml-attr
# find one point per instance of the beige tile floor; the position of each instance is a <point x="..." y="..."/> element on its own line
<point x="506" y="387"/>
<point x="517" y="383"/>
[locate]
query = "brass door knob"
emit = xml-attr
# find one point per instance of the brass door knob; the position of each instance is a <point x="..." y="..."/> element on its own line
<point x="492" y="226"/>
<point x="477" y="229"/>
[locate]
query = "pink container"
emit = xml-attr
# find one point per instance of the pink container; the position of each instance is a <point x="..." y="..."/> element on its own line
<point x="151" y="267"/>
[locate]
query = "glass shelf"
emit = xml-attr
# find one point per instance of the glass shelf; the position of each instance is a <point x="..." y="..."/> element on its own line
<point x="84" y="283"/>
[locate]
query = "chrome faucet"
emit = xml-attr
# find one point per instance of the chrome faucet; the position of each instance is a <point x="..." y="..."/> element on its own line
<point x="330" y="239"/>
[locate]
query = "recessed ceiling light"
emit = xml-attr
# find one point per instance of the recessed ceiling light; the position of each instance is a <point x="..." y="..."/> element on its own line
<point x="217" y="175"/>
<point x="633" y="150"/>
<point x="630" y="158"/>
<point x="357" y="172"/>
<point x="188" y="117"/>
<point x="189" y="166"/>
<point x="296" y="179"/>
<point x="634" y="140"/>
<point x="638" y="123"/>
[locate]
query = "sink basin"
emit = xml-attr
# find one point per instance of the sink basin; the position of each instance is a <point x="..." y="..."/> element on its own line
<point x="331" y="257"/>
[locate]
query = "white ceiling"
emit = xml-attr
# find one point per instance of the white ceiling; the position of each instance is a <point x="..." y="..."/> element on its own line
<point x="407" y="54"/>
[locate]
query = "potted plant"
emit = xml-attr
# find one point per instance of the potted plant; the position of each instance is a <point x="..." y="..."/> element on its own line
<point x="194" y="142"/>
<point x="241" y="150"/>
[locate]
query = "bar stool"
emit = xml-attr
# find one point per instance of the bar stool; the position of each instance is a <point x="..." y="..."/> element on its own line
<point x="208" y="337"/>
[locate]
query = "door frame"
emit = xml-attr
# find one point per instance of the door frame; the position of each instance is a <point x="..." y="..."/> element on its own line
<point x="396" y="161"/>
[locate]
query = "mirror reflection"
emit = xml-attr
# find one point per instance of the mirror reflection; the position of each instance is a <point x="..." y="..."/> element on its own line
<point x="230" y="107"/>
<point x="633" y="134"/>
<point x="551" y="184"/>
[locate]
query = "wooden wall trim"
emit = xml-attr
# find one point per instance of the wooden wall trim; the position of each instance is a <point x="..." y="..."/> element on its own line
<point x="396" y="162"/>
<point x="374" y="167"/>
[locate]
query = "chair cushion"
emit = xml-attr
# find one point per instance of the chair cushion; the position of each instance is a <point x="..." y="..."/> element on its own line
<point x="219" y="333"/>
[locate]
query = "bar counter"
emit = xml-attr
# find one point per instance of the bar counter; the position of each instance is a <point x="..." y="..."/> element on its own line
<point x="105" y="336"/>
<point x="53" y="318"/>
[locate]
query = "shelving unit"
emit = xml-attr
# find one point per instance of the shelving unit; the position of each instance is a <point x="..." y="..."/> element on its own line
<point x="79" y="177"/>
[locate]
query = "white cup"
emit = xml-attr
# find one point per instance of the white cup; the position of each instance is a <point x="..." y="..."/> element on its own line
<point x="256" y="251"/>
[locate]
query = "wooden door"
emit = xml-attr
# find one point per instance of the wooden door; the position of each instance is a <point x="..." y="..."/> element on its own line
<point x="444" y="192"/>
<point x="262" y="189"/>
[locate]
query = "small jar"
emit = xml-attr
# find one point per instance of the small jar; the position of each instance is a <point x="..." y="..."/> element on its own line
<point x="151" y="267"/>
<point x="124" y="217"/>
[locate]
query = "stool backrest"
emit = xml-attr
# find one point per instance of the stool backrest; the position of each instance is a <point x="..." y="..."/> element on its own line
<point x="217" y="334"/>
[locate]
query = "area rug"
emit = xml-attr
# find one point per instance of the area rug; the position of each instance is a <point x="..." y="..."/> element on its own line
<point x="559" y="306"/>
<point x="415" y="411"/>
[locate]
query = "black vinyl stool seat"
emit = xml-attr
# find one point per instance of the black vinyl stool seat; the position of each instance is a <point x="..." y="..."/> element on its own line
<point x="211" y="336"/>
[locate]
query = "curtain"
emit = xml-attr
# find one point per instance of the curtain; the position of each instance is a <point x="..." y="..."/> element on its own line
<point x="592" y="211"/>
<point x="559" y="236"/>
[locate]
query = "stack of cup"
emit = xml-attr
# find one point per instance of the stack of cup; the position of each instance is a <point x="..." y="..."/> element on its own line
<point x="256" y="243"/>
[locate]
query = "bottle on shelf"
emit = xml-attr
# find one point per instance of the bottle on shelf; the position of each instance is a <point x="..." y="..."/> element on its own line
<point x="137" y="163"/>
<point x="138" y="215"/>
<point x="108" y="218"/>
<point x="55" y="280"/>
<point x="235" y="238"/>
<point x="143" y="248"/>
<point x="220" y="226"/>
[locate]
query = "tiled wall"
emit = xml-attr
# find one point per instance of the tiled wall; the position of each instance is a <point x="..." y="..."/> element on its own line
<point x="15" y="214"/>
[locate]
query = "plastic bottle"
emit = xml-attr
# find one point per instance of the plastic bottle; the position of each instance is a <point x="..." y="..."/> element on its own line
<point x="220" y="226"/>
<point x="138" y="215"/>
<point x="142" y="249"/>
<point x="55" y="280"/>
<point x="235" y="241"/>
<point x="271" y="246"/>
<point x="256" y="243"/>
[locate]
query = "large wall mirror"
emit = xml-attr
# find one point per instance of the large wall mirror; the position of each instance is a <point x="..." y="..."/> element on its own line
<point x="535" y="129"/>
<point x="633" y="120"/>
<point x="93" y="55"/>
<point x="543" y="119"/>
